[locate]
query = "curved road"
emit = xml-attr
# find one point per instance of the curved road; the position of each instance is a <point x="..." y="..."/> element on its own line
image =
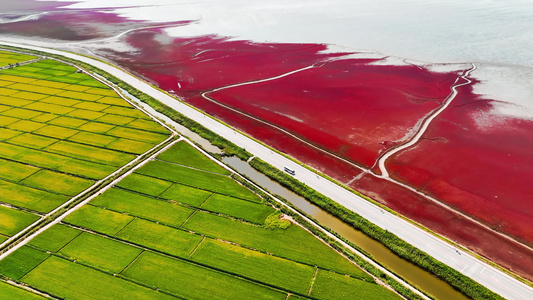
<point x="465" y="263"/>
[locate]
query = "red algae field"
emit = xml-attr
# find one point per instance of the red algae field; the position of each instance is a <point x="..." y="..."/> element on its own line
<point x="339" y="113"/>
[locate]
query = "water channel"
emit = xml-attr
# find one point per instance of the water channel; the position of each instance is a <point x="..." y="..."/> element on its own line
<point x="416" y="276"/>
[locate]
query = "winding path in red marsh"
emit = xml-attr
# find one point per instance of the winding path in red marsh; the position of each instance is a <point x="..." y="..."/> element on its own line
<point x="420" y="131"/>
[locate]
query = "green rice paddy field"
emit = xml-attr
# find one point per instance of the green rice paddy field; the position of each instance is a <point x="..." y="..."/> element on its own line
<point x="58" y="136"/>
<point x="178" y="227"/>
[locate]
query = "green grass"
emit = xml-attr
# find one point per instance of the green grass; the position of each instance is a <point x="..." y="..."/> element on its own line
<point x="9" y="291"/>
<point x="21" y="262"/>
<point x="184" y="154"/>
<point x="32" y="140"/>
<point x="58" y="182"/>
<point x="256" y="265"/>
<point x="137" y="135"/>
<point x="160" y="237"/>
<point x="204" y="180"/>
<point x="13" y="221"/>
<point x="23" y="196"/>
<point x="15" y="171"/>
<point x="195" y="282"/>
<point x="241" y="209"/>
<point x="143" y="206"/>
<point x="329" y="285"/>
<point x="55" y="238"/>
<point x="97" y="219"/>
<point x="185" y="194"/>
<point x="144" y="184"/>
<point x="75" y="281"/>
<point x="292" y="243"/>
<point x="95" y="154"/>
<point x="103" y="253"/>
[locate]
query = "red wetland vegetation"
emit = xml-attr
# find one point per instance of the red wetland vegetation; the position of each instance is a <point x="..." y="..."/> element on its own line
<point x="346" y="111"/>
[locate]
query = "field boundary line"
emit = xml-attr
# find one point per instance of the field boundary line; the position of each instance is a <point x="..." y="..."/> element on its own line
<point x="69" y="242"/>
<point x="212" y="193"/>
<point x="134" y="218"/>
<point x="25" y="287"/>
<point x="125" y="268"/>
<point x="196" y="248"/>
<point x="187" y="219"/>
<point x="35" y="266"/>
<point x="312" y="281"/>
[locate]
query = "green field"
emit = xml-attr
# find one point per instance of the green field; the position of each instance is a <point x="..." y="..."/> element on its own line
<point x="192" y="281"/>
<point x="74" y="281"/>
<point x="21" y="262"/>
<point x="54" y="136"/>
<point x="184" y="154"/>
<point x="256" y="265"/>
<point x="13" y="221"/>
<point x="55" y="238"/>
<point x="9" y="291"/>
<point x="194" y="178"/>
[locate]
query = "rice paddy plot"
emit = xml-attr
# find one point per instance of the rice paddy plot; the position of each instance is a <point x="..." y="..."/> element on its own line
<point x="21" y="262"/>
<point x="184" y="154"/>
<point x="137" y="135"/>
<point x="75" y="281"/>
<point x="115" y="119"/>
<point x="32" y="140"/>
<point x="85" y="114"/>
<point x="148" y="234"/>
<point x="330" y="285"/>
<point x="55" y="238"/>
<point x="273" y="270"/>
<point x="6" y="134"/>
<point x="103" y="92"/>
<point x="187" y="280"/>
<point x="79" y="95"/>
<point x="12" y="292"/>
<point x="200" y="179"/>
<point x="30" y="198"/>
<point x="126" y="111"/>
<point x="14" y="171"/>
<point x="25" y="125"/>
<point x="97" y="219"/>
<point x="56" y="131"/>
<point x="146" y="185"/>
<point x="35" y="88"/>
<point x="44" y="118"/>
<point x="113" y="101"/>
<point x="185" y="194"/>
<point x="49" y="108"/>
<point x="94" y="139"/>
<point x="57" y="182"/>
<point x="60" y="101"/>
<point x="15" y="102"/>
<point x="21" y="113"/>
<point x="91" y="153"/>
<point x="4" y="121"/>
<point x="143" y="206"/>
<point x="86" y="169"/>
<point x="13" y="78"/>
<point x="148" y="125"/>
<point x="103" y="253"/>
<point x="292" y="243"/>
<point x="29" y="96"/>
<point x="96" y="127"/>
<point x="13" y="221"/>
<point x="238" y="208"/>
<point x="129" y="146"/>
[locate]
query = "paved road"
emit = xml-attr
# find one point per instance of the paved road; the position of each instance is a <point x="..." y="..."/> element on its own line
<point x="488" y="276"/>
